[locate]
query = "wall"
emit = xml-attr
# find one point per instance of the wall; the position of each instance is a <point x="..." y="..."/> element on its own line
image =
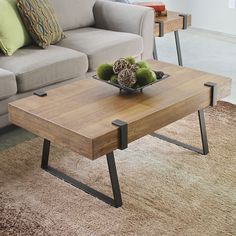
<point x="208" y="14"/>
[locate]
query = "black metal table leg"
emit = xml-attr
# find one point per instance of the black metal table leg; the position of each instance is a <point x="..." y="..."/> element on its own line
<point x="45" y="155"/>
<point x="155" y="55"/>
<point x="203" y="151"/>
<point x="178" y="48"/>
<point x="114" y="180"/>
<point x="116" y="202"/>
<point x="123" y="144"/>
<point x="205" y="148"/>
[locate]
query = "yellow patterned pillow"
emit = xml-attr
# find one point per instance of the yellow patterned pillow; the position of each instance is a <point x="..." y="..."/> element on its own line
<point x="41" y="21"/>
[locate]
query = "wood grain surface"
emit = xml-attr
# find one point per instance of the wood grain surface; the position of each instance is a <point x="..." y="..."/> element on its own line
<point x="79" y="115"/>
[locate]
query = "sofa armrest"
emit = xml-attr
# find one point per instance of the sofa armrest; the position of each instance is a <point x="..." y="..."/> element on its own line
<point x="8" y="85"/>
<point x="127" y="18"/>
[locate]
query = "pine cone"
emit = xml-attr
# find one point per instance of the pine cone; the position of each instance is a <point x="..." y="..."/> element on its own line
<point x="127" y="78"/>
<point x="134" y="68"/>
<point x="120" y="65"/>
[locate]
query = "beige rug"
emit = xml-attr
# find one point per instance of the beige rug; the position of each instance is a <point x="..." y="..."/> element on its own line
<point x="166" y="190"/>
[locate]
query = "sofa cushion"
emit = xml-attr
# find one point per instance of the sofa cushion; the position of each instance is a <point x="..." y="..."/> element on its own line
<point x="41" y="21"/>
<point x="35" y="68"/>
<point x="7" y="84"/>
<point x="103" y="46"/>
<point x="74" y="14"/>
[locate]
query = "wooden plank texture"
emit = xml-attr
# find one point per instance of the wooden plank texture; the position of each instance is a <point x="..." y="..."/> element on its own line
<point x="79" y="115"/>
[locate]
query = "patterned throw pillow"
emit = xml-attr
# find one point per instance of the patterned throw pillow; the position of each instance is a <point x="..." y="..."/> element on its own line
<point x="41" y="21"/>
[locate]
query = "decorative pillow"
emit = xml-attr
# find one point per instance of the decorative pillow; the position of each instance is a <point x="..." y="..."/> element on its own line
<point x="13" y="34"/>
<point x="41" y="21"/>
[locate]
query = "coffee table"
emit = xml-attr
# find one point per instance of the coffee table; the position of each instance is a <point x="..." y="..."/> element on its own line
<point x="92" y="118"/>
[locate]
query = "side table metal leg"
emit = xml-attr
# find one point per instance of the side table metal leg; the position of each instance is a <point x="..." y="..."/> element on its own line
<point x="155" y="55"/>
<point x="178" y="48"/>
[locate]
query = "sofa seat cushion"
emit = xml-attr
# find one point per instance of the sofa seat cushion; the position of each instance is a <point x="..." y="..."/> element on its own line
<point x="35" y="68"/>
<point x="102" y="46"/>
<point x="7" y="84"/>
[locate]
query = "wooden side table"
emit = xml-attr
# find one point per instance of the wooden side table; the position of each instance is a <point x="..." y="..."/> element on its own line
<point x="173" y="22"/>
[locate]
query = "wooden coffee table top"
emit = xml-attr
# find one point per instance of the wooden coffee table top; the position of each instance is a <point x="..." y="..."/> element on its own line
<point x="79" y="115"/>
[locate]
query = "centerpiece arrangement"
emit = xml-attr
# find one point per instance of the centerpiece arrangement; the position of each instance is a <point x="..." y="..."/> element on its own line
<point x="129" y="75"/>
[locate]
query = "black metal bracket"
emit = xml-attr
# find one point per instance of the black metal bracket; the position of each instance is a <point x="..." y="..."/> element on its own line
<point x="123" y="133"/>
<point x="204" y="150"/>
<point x="116" y="202"/>
<point x="214" y="92"/>
<point x="40" y="93"/>
<point x="185" y="21"/>
<point x="161" y="28"/>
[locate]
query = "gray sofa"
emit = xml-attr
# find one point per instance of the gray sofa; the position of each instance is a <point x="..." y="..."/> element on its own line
<point x="96" y="32"/>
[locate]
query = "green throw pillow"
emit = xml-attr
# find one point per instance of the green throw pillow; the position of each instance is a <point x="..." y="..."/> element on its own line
<point x="13" y="34"/>
<point x="41" y="21"/>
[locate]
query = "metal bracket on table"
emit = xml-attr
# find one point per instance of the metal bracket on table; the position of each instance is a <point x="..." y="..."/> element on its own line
<point x="185" y="21"/>
<point x="161" y="28"/>
<point x="123" y="133"/>
<point x="214" y="92"/>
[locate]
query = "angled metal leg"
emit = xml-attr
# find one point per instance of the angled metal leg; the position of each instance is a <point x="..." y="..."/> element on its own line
<point x="178" y="48"/>
<point x="116" y="202"/>
<point x="204" y="150"/>
<point x="45" y="155"/>
<point x="155" y="55"/>
<point x="114" y="180"/>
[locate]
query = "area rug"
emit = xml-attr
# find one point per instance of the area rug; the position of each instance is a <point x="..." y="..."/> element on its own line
<point x="166" y="189"/>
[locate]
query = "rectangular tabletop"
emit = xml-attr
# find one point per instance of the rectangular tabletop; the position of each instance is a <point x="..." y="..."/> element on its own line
<point x="79" y="115"/>
<point x="170" y="23"/>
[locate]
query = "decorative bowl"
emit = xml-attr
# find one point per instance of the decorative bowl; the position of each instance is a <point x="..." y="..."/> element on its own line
<point x="160" y="76"/>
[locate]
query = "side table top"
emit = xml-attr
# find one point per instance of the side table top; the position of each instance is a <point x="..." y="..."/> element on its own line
<point x="79" y="115"/>
<point x="172" y="22"/>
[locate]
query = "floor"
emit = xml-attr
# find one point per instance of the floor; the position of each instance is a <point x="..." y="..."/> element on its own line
<point x="203" y="50"/>
<point x="12" y="135"/>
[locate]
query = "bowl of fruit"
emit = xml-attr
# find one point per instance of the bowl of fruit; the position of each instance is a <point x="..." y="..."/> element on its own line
<point x="128" y="75"/>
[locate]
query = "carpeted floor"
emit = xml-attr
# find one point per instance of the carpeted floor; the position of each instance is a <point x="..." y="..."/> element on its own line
<point x="166" y="190"/>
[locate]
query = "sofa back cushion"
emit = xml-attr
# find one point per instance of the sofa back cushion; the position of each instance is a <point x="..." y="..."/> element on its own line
<point x="73" y="14"/>
<point x="13" y="34"/>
